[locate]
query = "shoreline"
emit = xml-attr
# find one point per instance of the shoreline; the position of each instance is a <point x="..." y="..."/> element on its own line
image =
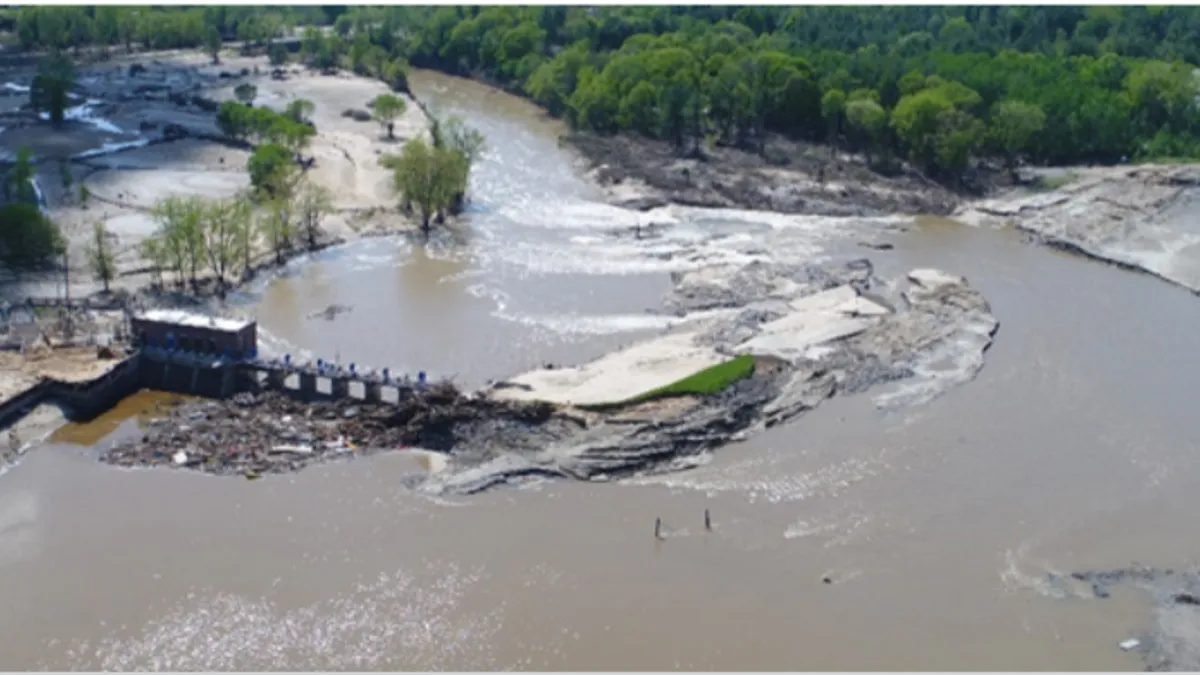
<point x="812" y="330"/>
<point x="742" y="316"/>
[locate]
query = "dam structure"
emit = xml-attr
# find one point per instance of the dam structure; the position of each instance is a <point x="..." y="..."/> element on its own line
<point x="184" y="353"/>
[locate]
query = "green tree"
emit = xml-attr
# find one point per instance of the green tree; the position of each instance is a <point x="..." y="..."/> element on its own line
<point x="19" y="184"/>
<point x="100" y="258"/>
<point x="233" y="120"/>
<point x="246" y="93"/>
<point x="277" y="54"/>
<point x="271" y="170"/>
<point x="915" y="120"/>
<point x="275" y="226"/>
<point x="428" y="178"/>
<point x="313" y="204"/>
<point x="868" y="122"/>
<point x="387" y="107"/>
<point x="1014" y="125"/>
<point x="957" y="137"/>
<point x="154" y="251"/>
<point x="833" y="109"/>
<point x="51" y="85"/>
<point x="28" y="239"/>
<point x="300" y="110"/>
<point x="221" y="224"/>
<point x="212" y="44"/>
<point x="181" y="230"/>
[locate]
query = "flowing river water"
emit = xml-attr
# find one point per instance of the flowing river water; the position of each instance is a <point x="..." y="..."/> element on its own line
<point x="936" y="525"/>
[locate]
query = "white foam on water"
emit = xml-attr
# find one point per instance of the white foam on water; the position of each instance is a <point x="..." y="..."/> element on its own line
<point x="835" y="531"/>
<point x="37" y="190"/>
<point x="83" y="113"/>
<point x="13" y="86"/>
<point x="768" y="478"/>
<point x="575" y="324"/>
<point x="407" y="620"/>
<point x="1042" y="579"/>
<point x="110" y="148"/>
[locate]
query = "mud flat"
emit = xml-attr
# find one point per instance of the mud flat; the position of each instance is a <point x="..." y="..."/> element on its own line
<point x="798" y="178"/>
<point x="1170" y="642"/>
<point x="812" y="330"/>
<point x="1140" y="218"/>
<point x="144" y="128"/>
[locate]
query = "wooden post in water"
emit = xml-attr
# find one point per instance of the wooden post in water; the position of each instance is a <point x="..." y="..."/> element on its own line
<point x="658" y="528"/>
<point x="707" y="521"/>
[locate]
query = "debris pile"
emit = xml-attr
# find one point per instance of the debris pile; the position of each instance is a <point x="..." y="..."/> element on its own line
<point x="253" y="434"/>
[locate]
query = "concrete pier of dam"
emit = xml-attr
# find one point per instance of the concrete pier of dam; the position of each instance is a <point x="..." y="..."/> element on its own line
<point x="210" y="358"/>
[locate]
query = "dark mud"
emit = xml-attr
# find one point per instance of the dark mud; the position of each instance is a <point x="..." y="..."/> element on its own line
<point x="789" y="177"/>
<point x="1172" y="641"/>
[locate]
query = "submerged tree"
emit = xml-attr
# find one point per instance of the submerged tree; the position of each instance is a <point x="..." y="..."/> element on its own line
<point x="314" y="203"/>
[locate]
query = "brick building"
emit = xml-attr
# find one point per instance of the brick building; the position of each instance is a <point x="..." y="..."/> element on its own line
<point x="176" y="329"/>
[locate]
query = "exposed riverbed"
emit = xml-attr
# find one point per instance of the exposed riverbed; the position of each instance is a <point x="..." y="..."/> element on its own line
<point x="936" y="524"/>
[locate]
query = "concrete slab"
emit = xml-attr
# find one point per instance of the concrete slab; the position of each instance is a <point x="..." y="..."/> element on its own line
<point x="618" y="376"/>
<point x="817" y="319"/>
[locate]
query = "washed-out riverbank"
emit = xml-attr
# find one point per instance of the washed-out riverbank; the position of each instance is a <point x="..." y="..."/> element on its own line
<point x="1070" y="451"/>
<point x="813" y="330"/>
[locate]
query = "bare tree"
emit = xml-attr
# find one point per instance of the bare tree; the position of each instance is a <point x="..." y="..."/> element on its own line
<point x="275" y="224"/>
<point x="100" y="255"/>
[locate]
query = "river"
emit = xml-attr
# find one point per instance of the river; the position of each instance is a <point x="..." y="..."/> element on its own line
<point x="935" y="525"/>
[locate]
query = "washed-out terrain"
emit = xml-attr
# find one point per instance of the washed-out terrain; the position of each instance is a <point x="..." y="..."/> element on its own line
<point x="938" y="463"/>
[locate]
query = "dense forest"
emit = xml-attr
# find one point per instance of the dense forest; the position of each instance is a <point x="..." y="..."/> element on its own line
<point x="936" y="85"/>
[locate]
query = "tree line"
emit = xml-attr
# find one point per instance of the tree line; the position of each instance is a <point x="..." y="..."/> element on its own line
<point x="936" y="85"/>
<point x="152" y="27"/>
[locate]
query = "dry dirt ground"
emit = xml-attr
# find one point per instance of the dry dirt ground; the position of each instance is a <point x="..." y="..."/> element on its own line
<point x="126" y="109"/>
<point x="19" y="371"/>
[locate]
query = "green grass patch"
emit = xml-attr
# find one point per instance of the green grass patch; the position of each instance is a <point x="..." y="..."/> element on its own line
<point x="707" y="382"/>
<point x="1055" y="182"/>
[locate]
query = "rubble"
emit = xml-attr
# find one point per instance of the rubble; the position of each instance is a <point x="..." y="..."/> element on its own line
<point x="255" y="434"/>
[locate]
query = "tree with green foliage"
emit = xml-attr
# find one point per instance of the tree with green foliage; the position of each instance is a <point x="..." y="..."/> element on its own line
<point x="51" y="85"/>
<point x="153" y="251"/>
<point x="277" y="54"/>
<point x="233" y="120"/>
<point x="222" y="223"/>
<point x="300" y="110"/>
<point x="28" y="239"/>
<point x="272" y="170"/>
<point x="428" y="178"/>
<point x="386" y="108"/>
<point x="833" y="110"/>
<point x="867" y="121"/>
<point x="100" y="258"/>
<point x="314" y="202"/>
<point x="18" y="185"/>
<point x="1014" y="125"/>
<point x="212" y="44"/>
<point x="275" y="226"/>
<point x="181" y="233"/>
<point x="916" y="122"/>
<point x="246" y="93"/>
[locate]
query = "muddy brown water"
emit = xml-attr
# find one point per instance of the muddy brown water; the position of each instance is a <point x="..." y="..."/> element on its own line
<point x="1073" y="449"/>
